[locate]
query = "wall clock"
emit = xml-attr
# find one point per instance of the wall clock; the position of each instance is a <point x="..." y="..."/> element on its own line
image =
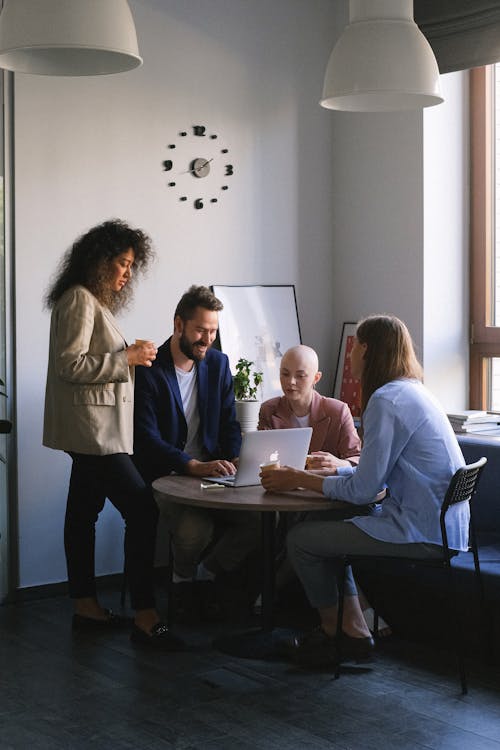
<point x="198" y="167"/>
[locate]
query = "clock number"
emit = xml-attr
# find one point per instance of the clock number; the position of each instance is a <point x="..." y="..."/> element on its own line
<point x="167" y="165"/>
<point x="198" y="203"/>
<point x="199" y="129"/>
<point x="229" y="170"/>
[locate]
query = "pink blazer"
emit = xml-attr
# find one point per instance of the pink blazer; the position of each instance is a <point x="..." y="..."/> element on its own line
<point x="330" y="419"/>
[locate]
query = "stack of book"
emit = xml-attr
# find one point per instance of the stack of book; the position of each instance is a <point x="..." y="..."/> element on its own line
<point x="474" y="420"/>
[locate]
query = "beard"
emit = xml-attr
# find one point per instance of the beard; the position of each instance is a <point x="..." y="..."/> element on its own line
<point x="191" y="350"/>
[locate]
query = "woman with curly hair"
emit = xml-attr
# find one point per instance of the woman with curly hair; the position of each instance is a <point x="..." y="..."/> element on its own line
<point x="409" y="447"/>
<point x="89" y="414"/>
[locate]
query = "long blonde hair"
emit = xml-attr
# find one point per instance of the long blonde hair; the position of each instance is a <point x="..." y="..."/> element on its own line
<point x="389" y="353"/>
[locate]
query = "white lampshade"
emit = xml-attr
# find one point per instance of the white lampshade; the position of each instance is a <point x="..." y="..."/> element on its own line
<point x="68" y="37"/>
<point x="381" y="62"/>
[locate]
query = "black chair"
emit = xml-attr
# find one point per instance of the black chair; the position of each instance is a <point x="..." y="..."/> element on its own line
<point x="461" y="489"/>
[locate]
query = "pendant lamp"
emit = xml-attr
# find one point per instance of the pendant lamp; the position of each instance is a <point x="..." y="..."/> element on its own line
<point x="381" y="62"/>
<point x="68" y="37"/>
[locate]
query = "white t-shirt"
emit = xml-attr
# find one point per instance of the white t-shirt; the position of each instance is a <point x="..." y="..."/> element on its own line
<point x="302" y="421"/>
<point x="188" y="386"/>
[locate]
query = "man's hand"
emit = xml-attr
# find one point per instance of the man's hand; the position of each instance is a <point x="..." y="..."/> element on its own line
<point x="219" y="468"/>
<point x="324" y="460"/>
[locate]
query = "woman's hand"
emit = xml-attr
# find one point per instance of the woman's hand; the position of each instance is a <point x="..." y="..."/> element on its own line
<point x="286" y="479"/>
<point x="283" y="479"/>
<point x="141" y="354"/>
<point x="324" y="460"/>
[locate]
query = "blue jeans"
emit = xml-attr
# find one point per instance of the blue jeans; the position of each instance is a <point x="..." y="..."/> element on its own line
<point x="315" y="548"/>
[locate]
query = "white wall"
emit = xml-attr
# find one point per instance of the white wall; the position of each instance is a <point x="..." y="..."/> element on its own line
<point x="446" y="244"/>
<point x="396" y="252"/>
<point x="90" y="149"/>
<point x="378" y="213"/>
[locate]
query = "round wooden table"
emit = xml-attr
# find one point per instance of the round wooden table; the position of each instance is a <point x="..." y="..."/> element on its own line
<point x="189" y="491"/>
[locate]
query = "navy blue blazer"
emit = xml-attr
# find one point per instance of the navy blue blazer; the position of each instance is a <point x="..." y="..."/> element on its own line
<point x="160" y="428"/>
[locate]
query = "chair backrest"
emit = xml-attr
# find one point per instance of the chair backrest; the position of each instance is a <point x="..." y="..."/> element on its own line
<point x="462" y="488"/>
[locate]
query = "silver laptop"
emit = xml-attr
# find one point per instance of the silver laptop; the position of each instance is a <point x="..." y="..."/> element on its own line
<point x="289" y="446"/>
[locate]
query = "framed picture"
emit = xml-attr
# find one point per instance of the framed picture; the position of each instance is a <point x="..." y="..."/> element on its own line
<point x="346" y="387"/>
<point x="258" y="323"/>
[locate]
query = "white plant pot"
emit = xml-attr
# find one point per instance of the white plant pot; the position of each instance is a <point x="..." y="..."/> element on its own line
<point x="247" y="414"/>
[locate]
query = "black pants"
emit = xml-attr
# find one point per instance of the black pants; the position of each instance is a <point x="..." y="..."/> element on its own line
<point x="93" y="479"/>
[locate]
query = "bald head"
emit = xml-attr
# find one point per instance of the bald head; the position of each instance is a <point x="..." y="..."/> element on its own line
<point x="298" y="375"/>
<point x="301" y="356"/>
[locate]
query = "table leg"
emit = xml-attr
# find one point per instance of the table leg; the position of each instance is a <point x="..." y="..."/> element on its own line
<point x="268" y="555"/>
<point x="266" y="641"/>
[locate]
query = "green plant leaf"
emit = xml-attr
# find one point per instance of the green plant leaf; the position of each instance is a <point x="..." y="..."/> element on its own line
<point x="242" y="381"/>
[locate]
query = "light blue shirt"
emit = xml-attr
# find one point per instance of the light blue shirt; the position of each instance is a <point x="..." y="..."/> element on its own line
<point x="409" y="447"/>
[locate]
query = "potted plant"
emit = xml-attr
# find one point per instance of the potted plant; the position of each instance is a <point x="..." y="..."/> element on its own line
<point x="246" y="382"/>
<point x="5" y="425"/>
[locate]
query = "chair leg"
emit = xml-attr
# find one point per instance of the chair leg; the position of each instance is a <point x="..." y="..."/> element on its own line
<point x="340" y="609"/>
<point x="458" y="630"/>
<point x="486" y="621"/>
<point x="170" y="581"/>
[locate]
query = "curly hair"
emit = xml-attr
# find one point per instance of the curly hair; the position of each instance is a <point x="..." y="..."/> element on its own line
<point x="389" y="353"/>
<point x="88" y="262"/>
<point x="197" y="296"/>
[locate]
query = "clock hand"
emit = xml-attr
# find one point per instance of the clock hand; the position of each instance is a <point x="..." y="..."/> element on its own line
<point x="200" y="166"/>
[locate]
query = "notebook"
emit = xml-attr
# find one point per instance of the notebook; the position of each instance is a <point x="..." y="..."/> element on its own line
<point x="289" y="446"/>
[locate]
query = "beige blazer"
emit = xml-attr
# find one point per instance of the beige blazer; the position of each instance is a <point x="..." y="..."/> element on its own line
<point x="89" y="396"/>
<point x="330" y="419"/>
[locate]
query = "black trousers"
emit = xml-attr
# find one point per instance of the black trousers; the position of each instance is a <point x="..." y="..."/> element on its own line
<point x="93" y="479"/>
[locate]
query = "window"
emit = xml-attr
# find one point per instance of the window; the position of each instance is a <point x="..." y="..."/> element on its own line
<point x="485" y="238"/>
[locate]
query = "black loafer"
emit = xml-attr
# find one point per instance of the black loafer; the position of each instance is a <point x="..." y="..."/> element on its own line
<point x="160" y="639"/>
<point x="356" y="649"/>
<point x="111" y="622"/>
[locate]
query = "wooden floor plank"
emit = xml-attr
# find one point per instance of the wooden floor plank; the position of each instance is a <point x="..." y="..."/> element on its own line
<point x="63" y="690"/>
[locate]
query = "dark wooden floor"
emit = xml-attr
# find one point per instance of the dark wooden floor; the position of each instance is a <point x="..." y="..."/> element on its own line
<point x="59" y="690"/>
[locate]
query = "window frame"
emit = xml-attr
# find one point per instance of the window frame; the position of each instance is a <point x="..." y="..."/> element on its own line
<point x="484" y="337"/>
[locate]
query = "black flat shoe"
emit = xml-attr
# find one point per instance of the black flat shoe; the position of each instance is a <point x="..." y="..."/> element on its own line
<point x="160" y="639"/>
<point x="356" y="649"/>
<point x="112" y="622"/>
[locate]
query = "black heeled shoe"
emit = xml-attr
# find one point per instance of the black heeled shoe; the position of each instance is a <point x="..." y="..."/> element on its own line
<point x="355" y="649"/>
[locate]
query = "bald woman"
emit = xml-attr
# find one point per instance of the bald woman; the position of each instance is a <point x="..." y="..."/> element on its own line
<point x="334" y="441"/>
